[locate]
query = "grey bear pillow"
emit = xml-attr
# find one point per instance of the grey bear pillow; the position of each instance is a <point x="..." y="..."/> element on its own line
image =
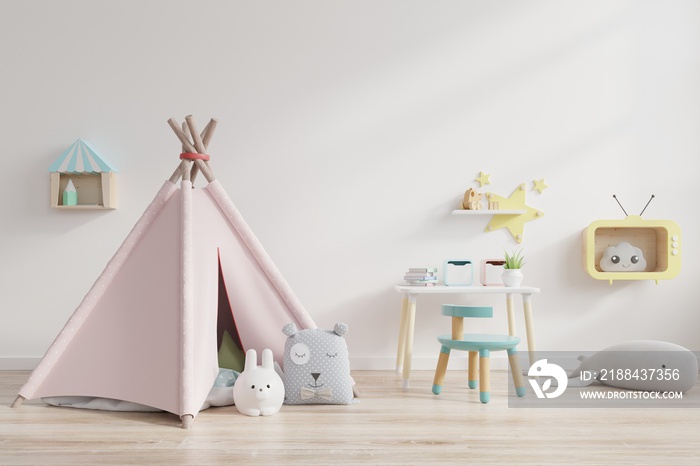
<point x="316" y="366"/>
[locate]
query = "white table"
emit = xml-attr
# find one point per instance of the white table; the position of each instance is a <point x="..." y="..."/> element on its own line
<point x="408" y="316"/>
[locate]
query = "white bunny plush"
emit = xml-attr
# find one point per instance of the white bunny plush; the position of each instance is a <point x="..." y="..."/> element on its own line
<point x="258" y="389"/>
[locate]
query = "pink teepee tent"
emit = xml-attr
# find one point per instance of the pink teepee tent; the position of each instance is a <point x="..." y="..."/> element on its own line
<point x="147" y="330"/>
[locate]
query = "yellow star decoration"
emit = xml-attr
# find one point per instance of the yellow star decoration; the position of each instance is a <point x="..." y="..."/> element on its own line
<point x="483" y="179"/>
<point x="539" y="185"/>
<point x="515" y="223"/>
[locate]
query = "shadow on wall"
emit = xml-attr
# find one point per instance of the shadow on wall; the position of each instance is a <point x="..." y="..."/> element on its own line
<point x="458" y="97"/>
<point x="381" y="308"/>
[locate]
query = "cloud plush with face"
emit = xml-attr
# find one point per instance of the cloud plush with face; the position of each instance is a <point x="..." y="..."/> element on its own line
<point x="623" y="257"/>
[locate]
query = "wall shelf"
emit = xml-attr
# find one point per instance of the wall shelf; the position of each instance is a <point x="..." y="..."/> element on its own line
<point x="659" y="240"/>
<point x="93" y="181"/>
<point x="512" y="212"/>
<point x="95" y="191"/>
<point x="83" y="207"/>
<point x="488" y="212"/>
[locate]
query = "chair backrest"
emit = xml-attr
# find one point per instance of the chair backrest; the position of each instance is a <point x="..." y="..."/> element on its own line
<point x="457" y="310"/>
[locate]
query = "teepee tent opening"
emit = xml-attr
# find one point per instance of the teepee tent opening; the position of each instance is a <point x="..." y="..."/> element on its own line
<point x="149" y="329"/>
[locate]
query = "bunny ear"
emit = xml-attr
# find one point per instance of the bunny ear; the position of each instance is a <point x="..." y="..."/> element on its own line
<point x="267" y="359"/>
<point x="251" y="360"/>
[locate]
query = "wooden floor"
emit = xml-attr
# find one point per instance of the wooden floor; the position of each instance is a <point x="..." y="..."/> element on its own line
<point x="390" y="425"/>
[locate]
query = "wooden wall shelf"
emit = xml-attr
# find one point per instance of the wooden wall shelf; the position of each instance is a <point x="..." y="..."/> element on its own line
<point x="94" y="180"/>
<point x="488" y="212"/>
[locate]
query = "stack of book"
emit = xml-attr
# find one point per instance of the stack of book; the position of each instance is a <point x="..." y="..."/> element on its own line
<point x="421" y="276"/>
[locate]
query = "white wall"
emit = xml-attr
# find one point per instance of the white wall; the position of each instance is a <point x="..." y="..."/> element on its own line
<point x="348" y="131"/>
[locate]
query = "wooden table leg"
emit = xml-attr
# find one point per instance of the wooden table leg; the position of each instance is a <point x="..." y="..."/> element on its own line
<point x="510" y="306"/>
<point x="527" y="310"/>
<point x="473" y="369"/>
<point x="402" y="334"/>
<point x="408" y="352"/>
<point x="484" y="376"/>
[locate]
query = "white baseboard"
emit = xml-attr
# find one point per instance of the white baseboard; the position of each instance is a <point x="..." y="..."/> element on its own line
<point x="358" y="364"/>
<point x="498" y="362"/>
<point x="18" y="364"/>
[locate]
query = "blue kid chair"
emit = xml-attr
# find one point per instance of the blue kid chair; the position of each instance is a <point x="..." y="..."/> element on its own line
<point x="476" y="344"/>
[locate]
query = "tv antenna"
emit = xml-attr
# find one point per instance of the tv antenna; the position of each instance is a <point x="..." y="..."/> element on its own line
<point x="645" y="207"/>
<point x="640" y="214"/>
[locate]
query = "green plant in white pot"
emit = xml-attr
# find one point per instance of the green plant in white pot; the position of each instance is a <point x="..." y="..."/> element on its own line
<point x="512" y="273"/>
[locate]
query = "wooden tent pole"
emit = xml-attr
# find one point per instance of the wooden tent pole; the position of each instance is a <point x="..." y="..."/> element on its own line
<point x="200" y="147"/>
<point x="206" y="135"/>
<point x="195" y="134"/>
<point x="191" y="167"/>
<point x="178" y="171"/>
<point x="198" y="142"/>
<point x="18" y="401"/>
<point x="209" y="132"/>
<point x="181" y="167"/>
<point x="185" y="129"/>
<point x="181" y="136"/>
<point x="186" y="172"/>
<point x="206" y="171"/>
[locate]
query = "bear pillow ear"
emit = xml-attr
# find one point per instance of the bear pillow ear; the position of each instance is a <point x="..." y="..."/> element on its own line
<point x="340" y="329"/>
<point x="289" y="329"/>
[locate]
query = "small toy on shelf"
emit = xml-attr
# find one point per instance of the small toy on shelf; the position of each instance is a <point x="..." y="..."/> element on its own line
<point x="259" y="390"/>
<point x="70" y="195"/>
<point x="472" y="200"/>
<point x="623" y="257"/>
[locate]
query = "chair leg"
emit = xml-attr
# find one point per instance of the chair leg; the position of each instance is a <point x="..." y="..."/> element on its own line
<point x="484" y="376"/>
<point x="441" y="369"/>
<point x="473" y="374"/>
<point x="515" y="370"/>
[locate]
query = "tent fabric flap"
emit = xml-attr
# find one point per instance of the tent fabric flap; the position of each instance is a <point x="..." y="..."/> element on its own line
<point x="263" y="260"/>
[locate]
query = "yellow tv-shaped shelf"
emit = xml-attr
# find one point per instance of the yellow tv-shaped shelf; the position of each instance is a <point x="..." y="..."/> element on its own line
<point x="659" y="240"/>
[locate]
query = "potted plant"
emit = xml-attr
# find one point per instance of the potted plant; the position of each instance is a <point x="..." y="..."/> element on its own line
<point x="512" y="275"/>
